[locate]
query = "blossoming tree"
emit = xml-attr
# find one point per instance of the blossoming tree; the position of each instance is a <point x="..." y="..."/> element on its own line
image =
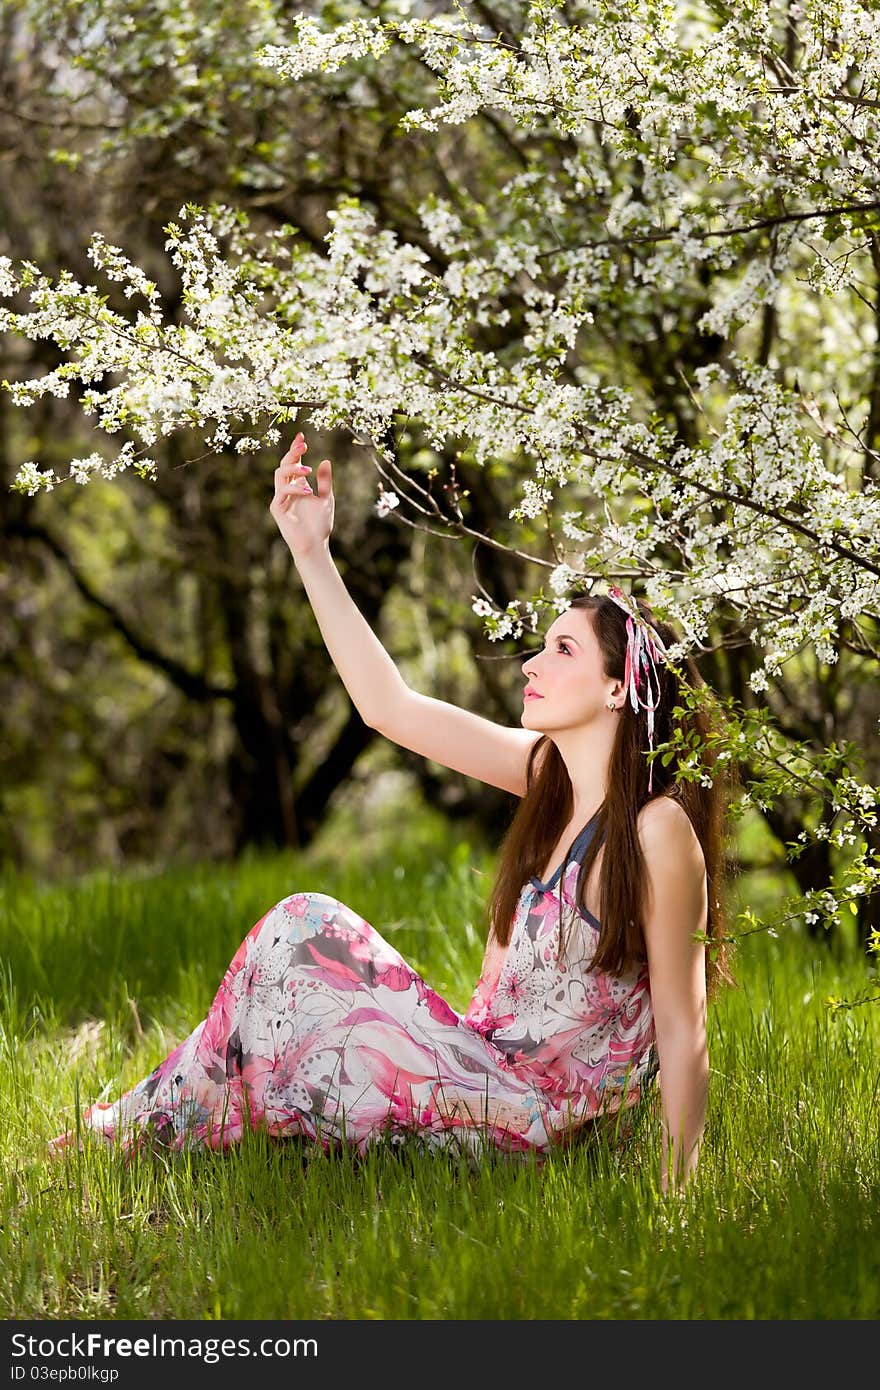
<point x="701" y="177"/>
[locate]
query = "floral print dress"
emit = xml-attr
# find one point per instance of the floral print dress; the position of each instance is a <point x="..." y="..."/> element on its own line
<point x="320" y="1029"/>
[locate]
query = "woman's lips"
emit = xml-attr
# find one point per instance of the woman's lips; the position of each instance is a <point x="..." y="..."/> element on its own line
<point x="530" y="695"/>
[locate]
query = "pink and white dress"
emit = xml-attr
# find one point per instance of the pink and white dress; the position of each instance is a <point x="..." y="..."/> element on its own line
<point x="320" y="1029"/>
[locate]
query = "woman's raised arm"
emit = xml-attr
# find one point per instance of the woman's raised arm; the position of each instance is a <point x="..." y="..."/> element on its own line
<point x="449" y="735"/>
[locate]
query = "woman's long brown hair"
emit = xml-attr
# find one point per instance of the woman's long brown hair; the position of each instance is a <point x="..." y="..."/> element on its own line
<point x="547" y="807"/>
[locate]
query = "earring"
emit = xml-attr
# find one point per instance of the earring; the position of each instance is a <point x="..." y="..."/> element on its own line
<point x="611" y="704"/>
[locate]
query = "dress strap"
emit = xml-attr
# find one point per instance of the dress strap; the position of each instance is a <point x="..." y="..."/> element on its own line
<point x="576" y="850"/>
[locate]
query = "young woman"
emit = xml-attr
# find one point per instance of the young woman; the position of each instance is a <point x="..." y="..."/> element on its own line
<point x="594" y="975"/>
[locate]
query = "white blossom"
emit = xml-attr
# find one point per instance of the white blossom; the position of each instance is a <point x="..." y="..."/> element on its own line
<point x="763" y="503"/>
<point x="562" y="578"/>
<point x="386" y="503"/>
<point x="481" y="607"/>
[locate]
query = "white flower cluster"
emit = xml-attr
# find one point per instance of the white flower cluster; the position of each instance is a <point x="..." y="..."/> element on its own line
<point x="444" y="226"/>
<point x="322" y="50"/>
<point x="8" y="279"/>
<point x="740" y="302"/>
<point x="757" y="507"/>
<point x="387" y="502"/>
<point x="535" y="498"/>
<point x="30" y="479"/>
<point x="853" y="794"/>
<point x="562" y="577"/>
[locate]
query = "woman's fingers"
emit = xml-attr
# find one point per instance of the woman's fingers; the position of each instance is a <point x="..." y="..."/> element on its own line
<point x="290" y="475"/>
<point x="324" y="478"/>
<point x="294" y="453"/>
<point x="298" y="444"/>
<point x="291" y="468"/>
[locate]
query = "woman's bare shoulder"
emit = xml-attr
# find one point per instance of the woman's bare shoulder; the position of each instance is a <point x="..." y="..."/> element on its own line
<point x="666" y="828"/>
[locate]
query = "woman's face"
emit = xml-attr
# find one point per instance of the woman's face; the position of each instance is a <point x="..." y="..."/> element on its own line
<point x="569" y="676"/>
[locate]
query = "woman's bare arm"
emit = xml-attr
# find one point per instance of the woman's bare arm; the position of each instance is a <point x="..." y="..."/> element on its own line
<point x="494" y="753"/>
<point x="449" y="735"/>
<point x="675" y="912"/>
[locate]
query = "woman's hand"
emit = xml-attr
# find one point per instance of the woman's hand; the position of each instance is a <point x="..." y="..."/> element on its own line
<point x="304" y="518"/>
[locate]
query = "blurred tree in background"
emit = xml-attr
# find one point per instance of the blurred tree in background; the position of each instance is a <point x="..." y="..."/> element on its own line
<point x="165" y="688"/>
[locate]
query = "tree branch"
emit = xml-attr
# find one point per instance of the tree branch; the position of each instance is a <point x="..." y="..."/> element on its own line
<point x="669" y="233"/>
<point x="194" y="686"/>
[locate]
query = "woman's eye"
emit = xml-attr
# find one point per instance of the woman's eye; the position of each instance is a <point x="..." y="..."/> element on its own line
<point x="563" y="647"/>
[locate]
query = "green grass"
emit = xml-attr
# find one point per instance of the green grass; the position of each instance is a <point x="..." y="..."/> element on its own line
<point x="102" y="976"/>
